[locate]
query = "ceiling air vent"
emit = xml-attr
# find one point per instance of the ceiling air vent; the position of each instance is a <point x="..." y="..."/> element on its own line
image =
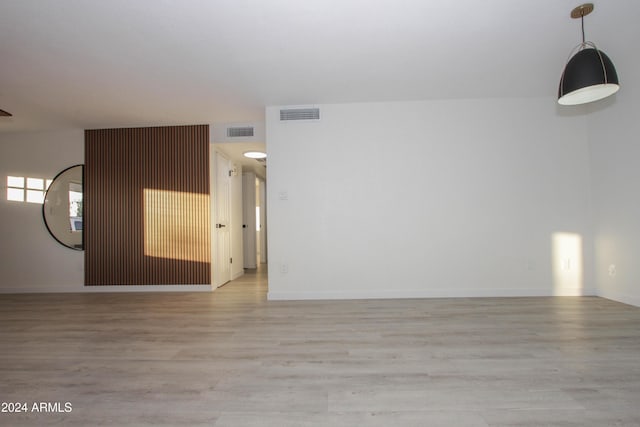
<point x="234" y="132"/>
<point x="300" y="114"/>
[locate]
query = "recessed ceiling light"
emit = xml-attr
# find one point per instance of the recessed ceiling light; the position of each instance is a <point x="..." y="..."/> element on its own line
<point x="255" y="155"/>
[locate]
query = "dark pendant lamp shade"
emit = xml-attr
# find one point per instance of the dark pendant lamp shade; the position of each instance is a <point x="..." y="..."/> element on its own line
<point x="587" y="77"/>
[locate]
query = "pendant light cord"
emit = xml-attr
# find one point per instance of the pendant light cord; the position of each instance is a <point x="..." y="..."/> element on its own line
<point x="582" y="21"/>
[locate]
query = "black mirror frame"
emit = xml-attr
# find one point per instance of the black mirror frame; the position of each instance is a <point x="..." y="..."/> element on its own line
<point x="44" y="217"/>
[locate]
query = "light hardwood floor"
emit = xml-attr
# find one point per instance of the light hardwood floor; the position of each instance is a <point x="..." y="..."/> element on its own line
<point x="230" y="358"/>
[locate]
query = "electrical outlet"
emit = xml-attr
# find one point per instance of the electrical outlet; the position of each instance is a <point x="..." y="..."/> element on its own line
<point x="284" y="268"/>
<point x="612" y="270"/>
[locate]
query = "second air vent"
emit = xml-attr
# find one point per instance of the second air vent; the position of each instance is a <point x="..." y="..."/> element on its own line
<point x="300" y="114"/>
<point x="234" y="132"/>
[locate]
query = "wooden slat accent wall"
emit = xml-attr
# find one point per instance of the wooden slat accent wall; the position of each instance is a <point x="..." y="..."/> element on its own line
<point x="146" y="206"/>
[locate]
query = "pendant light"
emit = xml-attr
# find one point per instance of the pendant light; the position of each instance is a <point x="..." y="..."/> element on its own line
<point x="589" y="75"/>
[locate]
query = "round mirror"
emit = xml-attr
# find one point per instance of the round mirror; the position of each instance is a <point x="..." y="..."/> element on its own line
<point x="62" y="207"/>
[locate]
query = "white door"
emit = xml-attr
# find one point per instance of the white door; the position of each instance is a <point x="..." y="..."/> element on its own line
<point x="221" y="222"/>
<point x="249" y="219"/>
<point x="262" y="189"/>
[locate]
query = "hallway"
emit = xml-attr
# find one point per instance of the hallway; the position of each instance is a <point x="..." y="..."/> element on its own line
<point x="252" y="285"/>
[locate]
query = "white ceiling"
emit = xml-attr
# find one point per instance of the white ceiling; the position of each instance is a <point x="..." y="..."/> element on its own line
<point x="119" y="63"/>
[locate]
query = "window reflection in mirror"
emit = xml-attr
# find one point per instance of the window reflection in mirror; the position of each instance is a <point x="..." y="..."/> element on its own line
<point x="75" y="206"/>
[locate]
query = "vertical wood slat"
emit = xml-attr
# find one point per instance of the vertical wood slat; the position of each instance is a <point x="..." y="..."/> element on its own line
<point x="146" y="206"/>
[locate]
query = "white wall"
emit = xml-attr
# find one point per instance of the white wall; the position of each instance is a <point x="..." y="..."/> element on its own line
<point x="614" y="130"/>
<point x="428" y="199"/>
<point x="31" y="260"/>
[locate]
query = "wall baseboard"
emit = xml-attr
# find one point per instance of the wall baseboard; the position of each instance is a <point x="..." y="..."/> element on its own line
<point x="621" y="298"/>
<point x="107" y="288"/>
<point x="431" y="293"/>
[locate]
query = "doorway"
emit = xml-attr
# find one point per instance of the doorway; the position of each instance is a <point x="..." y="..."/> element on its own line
<point x="238" y="212"/>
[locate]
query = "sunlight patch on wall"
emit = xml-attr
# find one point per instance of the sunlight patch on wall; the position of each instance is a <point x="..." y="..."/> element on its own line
<point x="176" y="225"/>
<point x="567" y="264"/>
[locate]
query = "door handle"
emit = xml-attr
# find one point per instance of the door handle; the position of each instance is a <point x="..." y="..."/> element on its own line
<point x="220" y="225"/>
